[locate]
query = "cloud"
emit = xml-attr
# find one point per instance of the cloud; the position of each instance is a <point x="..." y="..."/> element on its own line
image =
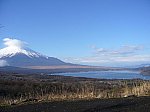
<point x="125" y="55"/>
<point x="3" y="63"/>
<point x="9" y="42"/>
<point x="126" y="49"/>
<point x="110" y="60"/>
<point x="99" y="50"/>
<point x="123" y="50"/>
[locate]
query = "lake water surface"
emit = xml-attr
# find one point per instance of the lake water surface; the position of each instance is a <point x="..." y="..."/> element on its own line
<point x="108" y="75"/>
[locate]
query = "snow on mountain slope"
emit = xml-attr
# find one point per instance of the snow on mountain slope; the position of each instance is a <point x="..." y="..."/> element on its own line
<point x="17" y="54"/>
<point x="12" y="51"/>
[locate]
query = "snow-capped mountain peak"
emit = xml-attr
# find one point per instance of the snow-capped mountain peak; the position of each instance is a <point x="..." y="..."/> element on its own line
<point x="13" y="50"/>
<point x="16" y="53"/>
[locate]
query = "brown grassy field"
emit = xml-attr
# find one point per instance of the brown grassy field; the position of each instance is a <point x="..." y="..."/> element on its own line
<point x="52" y="93"/>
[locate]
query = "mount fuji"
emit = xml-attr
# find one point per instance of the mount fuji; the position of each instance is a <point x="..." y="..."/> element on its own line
<point x="18" y="56"/>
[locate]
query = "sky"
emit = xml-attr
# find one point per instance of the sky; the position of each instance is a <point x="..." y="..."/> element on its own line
<point x="91" y="32"/>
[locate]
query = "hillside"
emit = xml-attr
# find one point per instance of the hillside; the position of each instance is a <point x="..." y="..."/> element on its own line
<point x="19" y="88"/>
<point x="18" y="56"/>
<point x="50" y="93"/>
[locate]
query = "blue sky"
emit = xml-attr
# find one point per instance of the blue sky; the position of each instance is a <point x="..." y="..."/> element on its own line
<point x="94" y="32"/>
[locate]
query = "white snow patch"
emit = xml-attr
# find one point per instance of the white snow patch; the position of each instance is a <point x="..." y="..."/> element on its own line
<point x="14" y="46"/>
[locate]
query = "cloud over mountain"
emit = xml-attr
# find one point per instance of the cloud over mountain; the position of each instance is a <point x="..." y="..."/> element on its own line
<point x="9" y="42"/>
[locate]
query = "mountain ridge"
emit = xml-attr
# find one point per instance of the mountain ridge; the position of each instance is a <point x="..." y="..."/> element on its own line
<point x="17" y="56"/>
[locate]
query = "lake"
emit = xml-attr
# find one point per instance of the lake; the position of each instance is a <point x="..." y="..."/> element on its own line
<point x="108" y="75"/>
